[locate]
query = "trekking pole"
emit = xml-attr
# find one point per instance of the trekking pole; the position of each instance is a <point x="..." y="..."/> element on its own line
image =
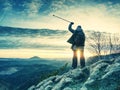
<point x="61" y="18"/>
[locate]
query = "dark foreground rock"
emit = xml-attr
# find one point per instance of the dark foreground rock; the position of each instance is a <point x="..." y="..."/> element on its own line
<point x="102" y="75"/>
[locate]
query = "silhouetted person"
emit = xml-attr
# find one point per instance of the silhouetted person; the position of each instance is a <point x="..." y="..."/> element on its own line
<point x="78" y="41"/>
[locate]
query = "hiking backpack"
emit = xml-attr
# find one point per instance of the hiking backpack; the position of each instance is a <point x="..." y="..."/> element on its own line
<point x="79" y="38"/>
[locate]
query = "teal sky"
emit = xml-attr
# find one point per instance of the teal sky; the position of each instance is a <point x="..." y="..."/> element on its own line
<point x="97" y="15"/>
<point x="101" y="15"/>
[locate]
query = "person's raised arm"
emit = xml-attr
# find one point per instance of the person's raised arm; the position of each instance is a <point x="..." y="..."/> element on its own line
<point x="70" y="27"/>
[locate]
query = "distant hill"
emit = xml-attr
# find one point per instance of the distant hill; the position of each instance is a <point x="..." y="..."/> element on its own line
<point x="35" y="58"/>
<point x="19" y="74"/>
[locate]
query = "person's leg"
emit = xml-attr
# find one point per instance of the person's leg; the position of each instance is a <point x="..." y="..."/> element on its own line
<point x="74" y="62"/>
<point x="82" y="58"/>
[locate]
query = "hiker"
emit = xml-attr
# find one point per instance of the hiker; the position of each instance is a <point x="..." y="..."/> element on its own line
<point x="78" y="41"/>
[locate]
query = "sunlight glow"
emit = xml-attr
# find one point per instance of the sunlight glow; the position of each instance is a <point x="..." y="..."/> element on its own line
<point x="27" y="53"/>
<point x="99" y="19"/>
<point x="90" y="14"/>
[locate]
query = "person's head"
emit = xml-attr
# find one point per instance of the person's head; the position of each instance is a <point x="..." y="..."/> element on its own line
<point x="78" y="28"/>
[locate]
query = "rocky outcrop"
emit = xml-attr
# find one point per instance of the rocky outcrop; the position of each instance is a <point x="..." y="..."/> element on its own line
<point x="102" y="75"/>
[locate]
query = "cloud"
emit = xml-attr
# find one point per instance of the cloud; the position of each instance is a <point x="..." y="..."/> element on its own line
<point x="31" y="43"/>
<point x="6" y="5"/>
<point x="24" y="38"/>
<point x="5" y="9"/>
<point x="56" y="5"/>
<point x="32" y="8"/>
<point x="114" y="10"/>
<point x="91" y="15"/>
<point x="102" y="16"/>
<point x="23" y="8"/>
<point x="96" y="17"/>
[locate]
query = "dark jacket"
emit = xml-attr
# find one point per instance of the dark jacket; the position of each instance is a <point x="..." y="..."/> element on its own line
<point x="71" y="39"/>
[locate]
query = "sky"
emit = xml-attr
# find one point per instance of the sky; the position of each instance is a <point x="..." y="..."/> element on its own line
<point x="98" y="15"/>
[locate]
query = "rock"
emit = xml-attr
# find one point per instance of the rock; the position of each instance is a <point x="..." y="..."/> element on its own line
<point x="67" y="88"/>
<point x="31" y="88"/>
<point x="86" y="72"/>
<point x="48" y="83"/>
<point x="40" y="88"/>
<point x="49" y="87"/>
<point x="100" y="62"/>
<point x="62" y="83"/>
<point x="75" y="74"/>
<point x="111" y="80"/>
<point x="102" y="75"/>
<point x="50" y="80"/>
<point x="117" y="60"/>
<point x="40" y="84"/>
<point x="58" y="78"/>
<point x="98" y="71"/>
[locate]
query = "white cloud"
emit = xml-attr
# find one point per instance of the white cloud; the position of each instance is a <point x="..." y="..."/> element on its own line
<point x="95" y="17"/>
<point x="32" y="8"/>
<point x="7" y="6"/>
<point x="100" y="17"/>
<point x="114" y="10"/>
<point x="56" y="5"/>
